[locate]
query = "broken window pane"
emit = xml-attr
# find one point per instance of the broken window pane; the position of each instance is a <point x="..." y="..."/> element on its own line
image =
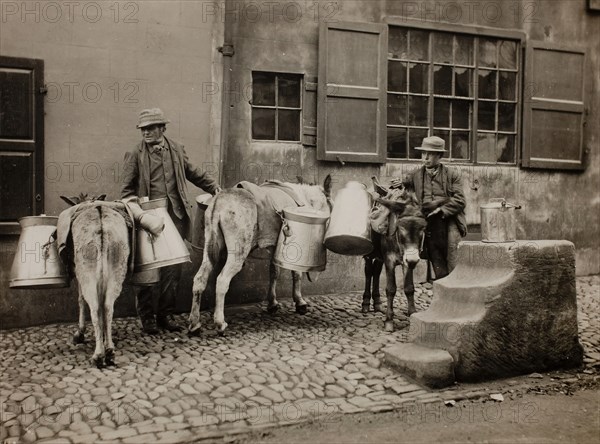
<point x="486" y="147"/>
<point x="397" y="109"/>
<point x="418" y="78"/>
<point x="263" y="88"/>
<point x="418" y="107"/>
<point x="397" y="46"/>
<point x="397" y="76"/>
<point x="460" y="145"/>
<point x="464" y="50"/>
<point x="487" y="53"/>
<point x="507" y="85"/>
<point x="463" y="81"/>
<point x="288" y="125"/>
<point x="263" y="124"/>
<point x="442" y="80"/>
<point x="507" y="55"/>
<point x="419" y="45"/>
<point x="442" y="47"/>
<point x="506" y="116"/>
<point x="487" y="84"/>
<point x="441" y="113"/>
<point x="506" y="148"/>
<point x="396" y="143"/>
<point x="487" y="115"/>
<point x="415" y="138"/>
<point x="289" y="91"/>
<point x="461" y="112"/>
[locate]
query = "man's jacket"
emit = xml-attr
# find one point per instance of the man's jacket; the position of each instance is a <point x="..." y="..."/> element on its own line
<point x="454" y="208"/>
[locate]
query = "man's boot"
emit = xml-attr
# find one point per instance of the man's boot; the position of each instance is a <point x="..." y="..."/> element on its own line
<point x="168" y="323"/>
<point x="149" y="326"/>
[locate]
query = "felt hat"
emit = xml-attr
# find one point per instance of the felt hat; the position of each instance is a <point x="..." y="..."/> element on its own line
<point x="432" y="144"/>
<point x="152" y="116"/>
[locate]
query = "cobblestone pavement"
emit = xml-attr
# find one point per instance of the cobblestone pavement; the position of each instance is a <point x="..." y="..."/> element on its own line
<point x="267" y="370"/>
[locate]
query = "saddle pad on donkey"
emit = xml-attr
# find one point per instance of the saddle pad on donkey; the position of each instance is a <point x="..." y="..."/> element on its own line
<point x="270" y="198"/>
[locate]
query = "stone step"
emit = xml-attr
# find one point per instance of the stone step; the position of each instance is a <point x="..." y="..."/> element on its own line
<point x="431" y="367"/>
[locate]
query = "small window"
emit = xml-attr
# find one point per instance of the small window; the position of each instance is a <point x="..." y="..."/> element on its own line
<point x="276" y="106"/>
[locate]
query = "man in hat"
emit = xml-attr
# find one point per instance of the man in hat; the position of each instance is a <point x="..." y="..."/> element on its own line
<point x="439" y="190"/>
<point x="158" y="168"/>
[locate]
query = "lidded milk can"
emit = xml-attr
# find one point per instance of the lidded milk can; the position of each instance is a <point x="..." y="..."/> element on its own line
<point x="498" y="222"/>
<point x="349" y="230"/>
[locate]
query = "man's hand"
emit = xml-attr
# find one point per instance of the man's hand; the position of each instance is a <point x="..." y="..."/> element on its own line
<point x="218" y="189"/>
<point x="436" y="211"/>
<point x="396" y="183"/>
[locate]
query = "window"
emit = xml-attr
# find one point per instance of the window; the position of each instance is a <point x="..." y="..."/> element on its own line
<point x="462" y="88"/>
<point x="276" y="106"/>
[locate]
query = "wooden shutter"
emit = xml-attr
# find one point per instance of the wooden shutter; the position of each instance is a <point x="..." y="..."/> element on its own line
<point x="21" y="141"/>
<point x="553" y="108"/>
<point x="309" y="112"/>
<point x="352" y="92"/>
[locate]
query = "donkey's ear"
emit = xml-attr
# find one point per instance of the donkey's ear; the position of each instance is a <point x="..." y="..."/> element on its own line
<point x="392" y="204"/>
<point x="72" y="201"/>
<point x="327" y="185"/>
<point x="101" y="197"/>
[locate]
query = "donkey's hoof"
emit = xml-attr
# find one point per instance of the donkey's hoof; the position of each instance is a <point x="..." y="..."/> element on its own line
<point x="109" y="358"/>
<point x="98" y="361"/>
<point x="302" y="309"/>
<point x="273" y="309"/>
<point x="193" y="331"/>
<point x="78" y="338"/>
<point x="389" y="326"/>
<point x="377" y="308"/>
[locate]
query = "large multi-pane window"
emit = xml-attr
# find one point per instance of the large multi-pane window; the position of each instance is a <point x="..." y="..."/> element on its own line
<point x="460" y="87"/>
<point x="276" y="106"/>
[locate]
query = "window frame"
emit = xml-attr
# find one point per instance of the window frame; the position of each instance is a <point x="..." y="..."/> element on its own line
<point x="476" y="32"/>
<point x="277" y="74"/>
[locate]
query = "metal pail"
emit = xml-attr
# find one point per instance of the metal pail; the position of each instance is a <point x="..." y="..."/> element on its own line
<point x="202" y="203"/>
<point x="498" y="222"/>
<point x="349" y="230"/>
<point x="36" y="263"/>
<point x="168" y="248"/>
<point x="300" y="244"/>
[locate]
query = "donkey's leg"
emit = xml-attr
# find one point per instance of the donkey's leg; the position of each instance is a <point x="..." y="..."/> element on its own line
<point x="377" y="267"/>
<point x="272" y="304"/>
<point x="90" y="294"/>
<point x="231" y="268"/>
<point x="301" y="305"/>
<point x="390" y="292"/>
<point x="199" y="285"/>
<point x="366" y="299"/>
<point x="409" y="289"/>
<point x="112" y="293"/>
<point x="79" y="336"/>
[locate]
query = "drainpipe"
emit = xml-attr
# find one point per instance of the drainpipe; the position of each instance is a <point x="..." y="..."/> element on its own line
<point x="227" y="51"/>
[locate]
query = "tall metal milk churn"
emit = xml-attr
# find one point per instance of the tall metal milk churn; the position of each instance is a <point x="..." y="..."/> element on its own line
<point x="498" y="223"/>
<point x="168" y="248"/>
<point x="349" y="230"/>
<point x="36" y="263"/>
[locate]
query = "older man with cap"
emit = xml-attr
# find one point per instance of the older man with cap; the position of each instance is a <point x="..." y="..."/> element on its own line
<point x="439" y="191"/>
<point x="158" y="168"/>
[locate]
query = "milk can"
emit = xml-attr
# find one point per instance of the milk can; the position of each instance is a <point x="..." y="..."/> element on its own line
<point x="498" y="223"/>
<point x="300" y="244"/>
<point x="349" y="230"/>
<point x="202" y="203"/>
<point x="167" y="248"/>
<point x="36" y="263"/>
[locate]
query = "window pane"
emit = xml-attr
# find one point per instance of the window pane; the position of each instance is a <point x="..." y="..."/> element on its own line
<point x="487" y="84"/>
<point x="417" y="111"/>
<point x="289" y="91"/>
<point x="263" y="124"/>
<point x="460" y="145"/>
<point x="263" y="88"/>
<point x="506" y="116"/>
<point x="507" y="85"/>
<point x="288" y="125"/>
<point x="397" y="46"/>
<point x="508" y="55"/>
<point x="397" y="109"/>
<point x="441" y="113"/>
<point x="442" y="80"/>
<point x="487" y="53"/>
<point x="419" y="45"/>
<point x="442" y="47"/>
<point x="397" y="76"/>
<point x="461" y="112"/>
<point x="396" y="143"/>
<point x="506" y="148"/>
<point x="444" y="135"/>
<point x="486" y="115"/>
<point x="415" y="138"/>
<point x="464" y="50"/>
<point x="418" y="78"/>
<point x="463" y="81"/>
<point x="486" y="147"/>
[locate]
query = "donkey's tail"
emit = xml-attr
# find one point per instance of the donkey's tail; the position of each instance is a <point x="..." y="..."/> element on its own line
<point x="214" y="242"/>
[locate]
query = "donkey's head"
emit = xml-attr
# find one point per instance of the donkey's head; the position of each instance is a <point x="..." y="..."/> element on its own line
<point x="316" y="196"/>
<point x="83" y="197"/>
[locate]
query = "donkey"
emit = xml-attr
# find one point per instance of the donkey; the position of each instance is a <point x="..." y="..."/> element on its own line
<point x="99" y="237"/>
<point x="232" y="231"/>
<point x="400" y="227"/>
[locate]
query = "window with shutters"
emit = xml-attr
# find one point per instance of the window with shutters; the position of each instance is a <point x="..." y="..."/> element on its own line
<point x="21" y="141"/>
<point x="276" y="106"/>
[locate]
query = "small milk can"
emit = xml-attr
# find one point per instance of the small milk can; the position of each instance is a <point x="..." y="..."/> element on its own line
<point x="300" y="244"/>
<point x="498" y="223"/>
<point x="168" y="248"/>
<point x="36" y="263"/>
<point x="349" y="230"/>
<point x="202" y="203"/>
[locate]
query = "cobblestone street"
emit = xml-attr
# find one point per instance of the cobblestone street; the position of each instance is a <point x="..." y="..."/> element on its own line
<point x="267" y="370"/>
